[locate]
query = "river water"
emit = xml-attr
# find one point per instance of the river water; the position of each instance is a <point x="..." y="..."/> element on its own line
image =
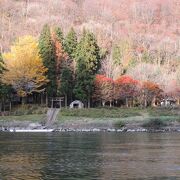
<point x="56" y="156"/>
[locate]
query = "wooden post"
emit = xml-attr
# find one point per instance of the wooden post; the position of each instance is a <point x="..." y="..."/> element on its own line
<point x="52" y="103"/>
<point x="60" y="103"/>
<point x="10" y="106"/>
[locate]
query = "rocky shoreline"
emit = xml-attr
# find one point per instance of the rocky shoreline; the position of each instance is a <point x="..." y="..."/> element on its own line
<point x="37" y="127"/>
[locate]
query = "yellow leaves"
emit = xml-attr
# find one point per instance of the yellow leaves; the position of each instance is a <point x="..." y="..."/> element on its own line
<point x="21" y="93"/>
<point x="25" y="70"/>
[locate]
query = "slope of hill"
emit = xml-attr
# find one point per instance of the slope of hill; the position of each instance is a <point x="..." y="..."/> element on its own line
<point x="151" y="20"/>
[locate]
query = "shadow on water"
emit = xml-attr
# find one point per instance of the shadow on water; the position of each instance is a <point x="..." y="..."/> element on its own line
<point x="89" y="156"/>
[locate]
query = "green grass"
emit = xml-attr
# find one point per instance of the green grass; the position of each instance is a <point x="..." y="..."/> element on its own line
<point x="28" y="109"/>
<point x="33" y="118"/>
<point x="120" y="112"/>
<point x="102" y="112"/>
<point x="164" y="111"/>
<point x="118" y="117"/>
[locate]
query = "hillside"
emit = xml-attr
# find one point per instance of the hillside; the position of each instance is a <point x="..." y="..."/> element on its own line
<point x="155" y="21"/>
<point x="136" y="38"/>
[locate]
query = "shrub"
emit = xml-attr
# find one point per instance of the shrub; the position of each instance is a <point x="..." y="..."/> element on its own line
<point x="154" y="123"/>
<point x="119" y="124"/>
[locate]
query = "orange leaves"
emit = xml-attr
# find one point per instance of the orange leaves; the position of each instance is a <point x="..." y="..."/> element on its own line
<point x="150" y="92"/>
<point x="125" y="87"/>
<point x="108" y="90"/>
<point x="104" y="88"/>
<point x="60" y="54"/>
<point x="150" y="86"/>
<point x="61" y="57"/>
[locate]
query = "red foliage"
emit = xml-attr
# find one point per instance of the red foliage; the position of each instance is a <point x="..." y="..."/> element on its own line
<point x="126" y="80"/>
<point x="150" y="92"/>
<point x="104" y="89"/>
<point x="101" y="79"/>
<point x="125" y="87"/>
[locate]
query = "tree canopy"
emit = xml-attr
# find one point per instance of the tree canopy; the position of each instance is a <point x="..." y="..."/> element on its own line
<point x="24" y="69"/>
<point x="47" y="54"/>
<point x="88" y="64"/>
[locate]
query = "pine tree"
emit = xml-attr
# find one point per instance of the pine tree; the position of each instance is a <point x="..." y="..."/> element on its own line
<point x="88" y="64"/>
<point x="47" y="53"/>
<point x="1" y="63"/>
<point x="66" y="84"/>
<point x="5" y="90"/>
<point x="70" y="43"/>
<point x="59" y="34"/>
<point x="61" y="57"/>
<point x="64" y="67"/>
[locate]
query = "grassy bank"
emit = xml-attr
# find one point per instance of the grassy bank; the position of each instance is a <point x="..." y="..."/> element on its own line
<point x="106" y="117"/>
<point x="122" y="113"/>
<point x="29" y="113"/>
<point x="119" y="117"/>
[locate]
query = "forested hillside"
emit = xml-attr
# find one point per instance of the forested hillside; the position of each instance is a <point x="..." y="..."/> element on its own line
<point x="138" y="42"/>
<point x="146" y="21"/>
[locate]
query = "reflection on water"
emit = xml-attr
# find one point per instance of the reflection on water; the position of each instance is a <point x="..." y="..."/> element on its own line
<point x="31" y="156"/>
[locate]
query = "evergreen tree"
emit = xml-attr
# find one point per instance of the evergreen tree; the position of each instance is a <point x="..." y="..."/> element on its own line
<point x="59" y="34"/>
<point x="5" y="90"/>
<point x="70" y="43"/>
<point x="47" y="53"/>
<point x="64" y="68"/>
<point x="66" y="84"/>
<point x="88" y="63"/>
<point x="1" y="63"/>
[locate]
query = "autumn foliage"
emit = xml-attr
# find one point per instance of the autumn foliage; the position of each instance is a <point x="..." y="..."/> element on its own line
<point x="150" y="91"/>
<point x="104" y="89"/>
<point x="24" y="68"/>
<point x="61" y="57"/>
<point x="125" y="89"/>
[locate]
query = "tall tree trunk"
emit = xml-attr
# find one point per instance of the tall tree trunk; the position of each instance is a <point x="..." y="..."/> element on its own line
<point x="3" y="104"/>
<point x="145" y="102"/>
<point x="133" y="102"/>
<point x="110" y="103"/>
<point x="46" y="100"/>
<point x="103" y="103"/>
<point x="65" y="100"/>
<point x="23" y="101"/>
<point x="89" y="102"/>
<point x="41" y="98"/>
<point x="10" y="106"/>
<point x="127" y="102"/>
<point x="0" y="106"/>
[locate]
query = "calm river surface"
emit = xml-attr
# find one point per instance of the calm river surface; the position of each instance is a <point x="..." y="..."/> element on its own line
<point x="46" y="156"/>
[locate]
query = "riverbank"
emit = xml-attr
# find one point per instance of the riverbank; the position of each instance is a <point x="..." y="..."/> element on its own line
<point x="101" y="119"/>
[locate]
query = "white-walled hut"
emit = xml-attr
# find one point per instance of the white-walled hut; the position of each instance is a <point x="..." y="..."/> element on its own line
<point x="168" y="102"/>
<point x="76" y="104"/>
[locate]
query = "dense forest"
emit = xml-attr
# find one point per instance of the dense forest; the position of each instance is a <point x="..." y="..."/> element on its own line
<point x="111" y="53"/>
